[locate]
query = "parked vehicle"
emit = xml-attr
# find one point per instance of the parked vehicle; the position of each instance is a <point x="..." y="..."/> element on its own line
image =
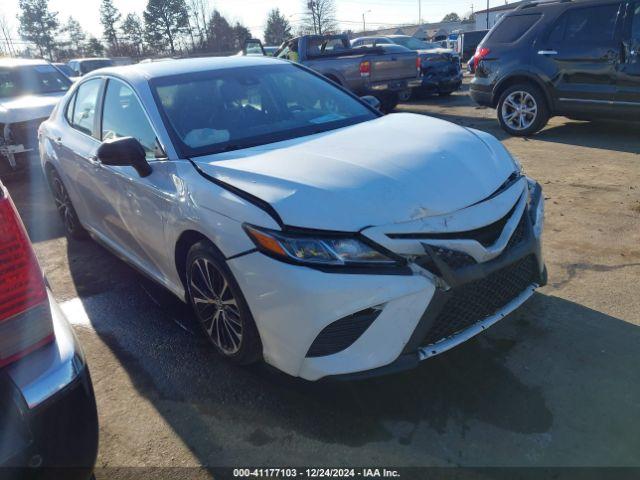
<point x="439" y="67"/>
<point x="270" y="50"/>
<point x="29" y="89"/>
<point x="302" y="225"/>
<point x="468" y="43"/>
<point x="386" y="72"/>
<point x="82" y="66"/>
<point x="65" y="69"/>
<point x="47" y="406"/>
<point x="578" y="59"/>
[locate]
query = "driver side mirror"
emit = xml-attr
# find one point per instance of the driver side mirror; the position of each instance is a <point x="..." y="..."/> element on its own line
<point x="372" y="101"/>
<point x="125" y="151"/>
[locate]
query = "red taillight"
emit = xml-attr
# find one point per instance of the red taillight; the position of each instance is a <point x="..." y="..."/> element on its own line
<point x="365" y="68"/>
<point x="23" y="327"/>
<point x="481" y="52"/>
<point x="418" y="63"/>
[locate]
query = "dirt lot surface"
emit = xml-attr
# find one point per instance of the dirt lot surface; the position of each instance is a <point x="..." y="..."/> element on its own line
<point x="555" y="384"/>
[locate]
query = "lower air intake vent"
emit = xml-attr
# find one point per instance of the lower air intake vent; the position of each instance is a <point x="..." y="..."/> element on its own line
<point x="475" y="301"/>
<point x="342" y="333"/>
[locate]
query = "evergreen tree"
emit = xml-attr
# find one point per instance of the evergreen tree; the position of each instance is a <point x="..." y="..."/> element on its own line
<point x="109" y="18"/>
<point x="164" y="21"/>
<point x="38" y="25"/>
<point x="278" y="29"/>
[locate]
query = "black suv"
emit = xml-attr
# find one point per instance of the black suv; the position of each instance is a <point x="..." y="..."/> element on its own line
<point x="577" y="58"/>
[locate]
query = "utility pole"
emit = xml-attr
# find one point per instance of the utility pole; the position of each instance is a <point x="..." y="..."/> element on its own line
<point x="419" y="12"/>
<point x="487" y="14"/>
<point x="364" y="23"/>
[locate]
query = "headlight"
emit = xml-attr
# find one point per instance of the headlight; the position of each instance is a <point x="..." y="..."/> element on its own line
<point x="535" y="200"/>
<point x="327" y="249"/>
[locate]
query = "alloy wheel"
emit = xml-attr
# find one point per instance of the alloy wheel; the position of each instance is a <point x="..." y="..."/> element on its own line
<point x="519" y="110"/>
<point x="63" y="204"/>
<point x="216" y="305"/>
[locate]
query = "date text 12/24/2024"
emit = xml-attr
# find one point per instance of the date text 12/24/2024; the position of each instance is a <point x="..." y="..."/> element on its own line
<point x="315" y="473"/>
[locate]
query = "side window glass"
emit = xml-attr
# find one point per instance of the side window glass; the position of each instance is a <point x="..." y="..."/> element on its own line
<point x="69" y="112"/>
<point x="588" y="25"/>
<point x="84" y="111"/>
<point x="512" y="28"/>
<point x="123" y="116"/>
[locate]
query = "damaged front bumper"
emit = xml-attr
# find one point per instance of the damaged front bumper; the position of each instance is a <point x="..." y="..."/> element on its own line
<point x="350" y="325"/>
<point x="15" y="139"/>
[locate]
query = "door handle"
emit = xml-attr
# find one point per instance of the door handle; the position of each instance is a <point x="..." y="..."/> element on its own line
<point x="94" y="161"/>
<point x="57" y="140"/>
<point x="547" y="52"/>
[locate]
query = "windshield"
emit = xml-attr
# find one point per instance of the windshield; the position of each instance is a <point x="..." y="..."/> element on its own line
<point x="32" y="80"/>
<point x="90" y="65"/>
<point x="222" y="110"/>
<point x="66" y="69"/>
<point x="414" y="44"/>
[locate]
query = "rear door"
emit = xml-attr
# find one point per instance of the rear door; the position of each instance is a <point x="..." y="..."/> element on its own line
<point x="581" y="54"/>
<point x="75" y="145"/>
<point x="628" y="87"/>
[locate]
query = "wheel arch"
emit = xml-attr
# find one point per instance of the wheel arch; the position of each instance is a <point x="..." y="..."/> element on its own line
<point x="521" y="77"/>
<point x="186" y="240"/>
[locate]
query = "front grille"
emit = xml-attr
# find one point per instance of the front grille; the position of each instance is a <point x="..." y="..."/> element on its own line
<point x="477" y="300"/>
<point x="519" y="234"/>
<point x="340" y="334"/>
<point x="454" y="258"/>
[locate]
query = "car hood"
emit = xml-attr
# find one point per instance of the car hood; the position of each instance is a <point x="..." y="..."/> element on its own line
<point x="393" y="169"/>
<point x="28" y="107"/>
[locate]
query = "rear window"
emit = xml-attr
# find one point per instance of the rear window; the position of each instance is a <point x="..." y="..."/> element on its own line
<point x="586" y="25"/>
<point x="513" y="27"/>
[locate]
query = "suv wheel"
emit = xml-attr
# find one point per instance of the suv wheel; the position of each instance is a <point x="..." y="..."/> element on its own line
<point x="522" y="110"/>
<point x="220" y="306"/>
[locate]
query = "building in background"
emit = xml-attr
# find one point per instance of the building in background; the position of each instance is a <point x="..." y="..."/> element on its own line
<point x="427" y="31"/>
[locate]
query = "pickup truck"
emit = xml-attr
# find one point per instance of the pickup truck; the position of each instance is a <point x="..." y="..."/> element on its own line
<point x="387" y="73"/>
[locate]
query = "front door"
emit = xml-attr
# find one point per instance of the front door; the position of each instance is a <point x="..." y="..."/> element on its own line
<point x="583" y="50"/>
<point x="136" y="208"/>
<point x="628" y="94"/>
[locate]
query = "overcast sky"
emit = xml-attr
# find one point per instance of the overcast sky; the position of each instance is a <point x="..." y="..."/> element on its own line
<point x="253" y="12"/>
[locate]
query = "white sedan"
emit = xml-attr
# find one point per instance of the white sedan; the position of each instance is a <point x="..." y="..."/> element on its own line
<point x="304" y="227"/>
<point x="29" y="89"/>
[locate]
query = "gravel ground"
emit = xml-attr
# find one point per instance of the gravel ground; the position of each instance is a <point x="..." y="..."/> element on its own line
<point x="556" y="384"/>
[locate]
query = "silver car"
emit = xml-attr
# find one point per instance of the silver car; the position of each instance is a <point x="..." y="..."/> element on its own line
<point x="302" y="225"/>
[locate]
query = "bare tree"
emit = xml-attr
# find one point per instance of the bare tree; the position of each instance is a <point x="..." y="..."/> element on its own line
<point x="5" y="36"/>
<point x="320" y="17"/>
<point x="199" y="12"/>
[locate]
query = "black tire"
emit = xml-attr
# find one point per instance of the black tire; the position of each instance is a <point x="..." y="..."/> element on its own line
<point x="220" y="306"/>
<point x="72" y="226"/>
<point x="530" y="96"/>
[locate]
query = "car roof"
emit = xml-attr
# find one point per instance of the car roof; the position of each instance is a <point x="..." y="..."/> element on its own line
<point x="21" y="62"/>
<point x="89" y="59"/>
<point x="143" y="72"/>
